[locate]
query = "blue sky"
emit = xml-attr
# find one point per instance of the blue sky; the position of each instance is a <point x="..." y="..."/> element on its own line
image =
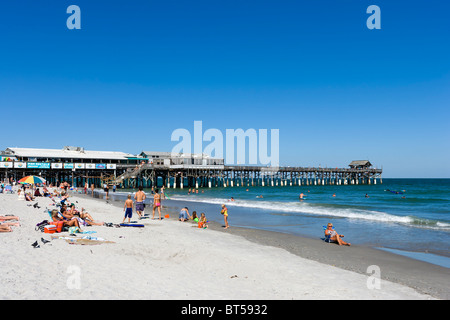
<point x="138" y="70"/>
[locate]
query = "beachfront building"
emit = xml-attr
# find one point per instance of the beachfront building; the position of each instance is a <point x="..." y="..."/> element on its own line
<point x="73" y="164"/>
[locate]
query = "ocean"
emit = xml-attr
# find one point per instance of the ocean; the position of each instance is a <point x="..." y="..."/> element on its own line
<point x="410" y="215"/>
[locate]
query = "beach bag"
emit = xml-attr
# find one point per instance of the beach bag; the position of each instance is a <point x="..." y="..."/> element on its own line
<point x="59" y="225"/>
<point x="40" y="226"/>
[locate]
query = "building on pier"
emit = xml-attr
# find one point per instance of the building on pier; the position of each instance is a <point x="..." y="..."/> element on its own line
<point x="73" y="164"/>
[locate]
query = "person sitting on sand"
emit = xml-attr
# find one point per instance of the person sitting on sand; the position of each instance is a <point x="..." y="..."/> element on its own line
<point x="28" y="197"/>
<point x="67" y="223"/>
<point x="83" y="217"/>
<point x="86" y="216"/>
<point x="334" y="236"/>
<point x="64" y="197"/>
<point x="46" y="192"/>
<point x="202" y="223"/>
<point x="73" y="214"/>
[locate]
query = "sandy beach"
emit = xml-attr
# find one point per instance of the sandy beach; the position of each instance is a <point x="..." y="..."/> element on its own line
<point x="173" y="260"/>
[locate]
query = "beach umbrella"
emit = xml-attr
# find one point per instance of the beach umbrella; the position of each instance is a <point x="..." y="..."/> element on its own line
<point x="32" y="180"/>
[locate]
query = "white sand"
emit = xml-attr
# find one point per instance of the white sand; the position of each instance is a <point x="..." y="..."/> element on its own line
<point x="165" y="260"/>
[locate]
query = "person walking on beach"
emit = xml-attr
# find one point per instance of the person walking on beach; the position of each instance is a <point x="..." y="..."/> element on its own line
<point x="128" y="209"/>
<point x="225" y="215"/>
<point x="140" y="198"/>
<point x="92" y="189"/>
<point x="157" y="203"/>
<point x="106" y="189"/>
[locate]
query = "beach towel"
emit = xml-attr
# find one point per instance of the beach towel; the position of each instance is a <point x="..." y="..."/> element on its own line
<point x="73" y="230"/>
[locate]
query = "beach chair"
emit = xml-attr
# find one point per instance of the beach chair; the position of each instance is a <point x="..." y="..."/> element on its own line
<point x="64" y="229"/>
<point x="327" y="238"/>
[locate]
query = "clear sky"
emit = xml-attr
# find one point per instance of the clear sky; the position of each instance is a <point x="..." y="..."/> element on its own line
<point x="138" y="70"/>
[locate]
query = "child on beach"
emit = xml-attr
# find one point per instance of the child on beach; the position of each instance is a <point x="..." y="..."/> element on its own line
<point x="202" y="222"/>
<point x="128" y="208"/>
<point x="225" y="215"/>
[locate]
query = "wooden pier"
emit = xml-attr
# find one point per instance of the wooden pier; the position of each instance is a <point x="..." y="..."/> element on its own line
<point x="149" y="175"/>
<point x="155" y="169"/>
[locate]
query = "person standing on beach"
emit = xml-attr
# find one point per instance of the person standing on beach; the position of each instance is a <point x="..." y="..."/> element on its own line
<point x="128" y="209"/>
<point x="225" y="215"/>
<point x="92" y="189"/>
<point x="157" y="203"/>
<point x="106" y="189"/>
<point x="140" y="198"/>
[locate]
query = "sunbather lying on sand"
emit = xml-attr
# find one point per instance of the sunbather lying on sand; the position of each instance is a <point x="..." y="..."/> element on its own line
<point x="10" y="224"/>
<point x="4" y="228"/>
<point x="2" y="218"/>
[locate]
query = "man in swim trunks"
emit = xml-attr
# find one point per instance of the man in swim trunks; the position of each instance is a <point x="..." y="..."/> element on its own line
<point x="140" y="198"/>
<point x="157" y="203"/>
<point x="128" y="209"/>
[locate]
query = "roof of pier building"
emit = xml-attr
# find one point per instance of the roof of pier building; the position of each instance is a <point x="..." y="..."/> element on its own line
<point x="360" y="164"/>
<point x="67" y="153"/>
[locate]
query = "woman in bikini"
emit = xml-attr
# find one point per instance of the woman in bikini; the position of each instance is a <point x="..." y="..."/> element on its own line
<point x="334" y="236"/>
<point x="157" y="203"/>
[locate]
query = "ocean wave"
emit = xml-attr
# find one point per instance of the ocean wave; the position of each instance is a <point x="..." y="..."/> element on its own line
<point x="302" y="208"/>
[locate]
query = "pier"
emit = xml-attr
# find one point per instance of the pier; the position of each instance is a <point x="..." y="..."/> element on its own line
<point x="156" y="169"/>
<point x="245" y="176"/>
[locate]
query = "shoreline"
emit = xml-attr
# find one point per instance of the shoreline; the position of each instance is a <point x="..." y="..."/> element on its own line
<point x="420" y="275"/>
